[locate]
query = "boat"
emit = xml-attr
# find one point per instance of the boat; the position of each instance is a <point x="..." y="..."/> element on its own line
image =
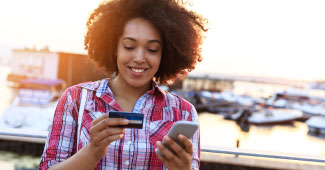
<point x="34" y="106"/>
<point x="316" y="125"/>
<point x="274" y="116"/>
<point x="308" y="104"/>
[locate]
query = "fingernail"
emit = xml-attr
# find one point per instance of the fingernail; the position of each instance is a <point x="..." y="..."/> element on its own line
<point x="181" y="136"/>
<point x="166" y="138"/>
<point x="121" y="135"/>
<point x="126" y="121"/>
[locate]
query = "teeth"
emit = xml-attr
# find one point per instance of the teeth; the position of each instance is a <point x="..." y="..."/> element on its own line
<point x="137" y="70"/>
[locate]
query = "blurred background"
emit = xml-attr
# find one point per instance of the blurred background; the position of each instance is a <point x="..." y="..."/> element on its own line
<point x="260" y="86"/>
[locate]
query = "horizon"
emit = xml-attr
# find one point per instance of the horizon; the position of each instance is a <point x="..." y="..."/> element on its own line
<point x="278" y="39"/>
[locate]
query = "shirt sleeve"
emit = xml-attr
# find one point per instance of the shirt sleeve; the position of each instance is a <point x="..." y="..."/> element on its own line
<point x="61" y="139"/>
<point x="195" y="140"/>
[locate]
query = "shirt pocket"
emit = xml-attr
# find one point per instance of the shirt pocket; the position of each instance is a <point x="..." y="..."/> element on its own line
<point x="94" y="109"/>
<point x="159" y="129"/>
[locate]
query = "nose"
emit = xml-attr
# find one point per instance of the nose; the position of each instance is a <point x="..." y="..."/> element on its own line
<point x="139" y="56"/>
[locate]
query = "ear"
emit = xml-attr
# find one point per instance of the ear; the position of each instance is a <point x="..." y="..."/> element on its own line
<point x="113" y="75"/>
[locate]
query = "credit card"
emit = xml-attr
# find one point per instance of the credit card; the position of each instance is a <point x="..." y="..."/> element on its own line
<point x="135" y="119"/>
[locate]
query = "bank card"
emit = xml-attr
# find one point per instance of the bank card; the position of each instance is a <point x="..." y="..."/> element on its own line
<point x="135" y="119"/>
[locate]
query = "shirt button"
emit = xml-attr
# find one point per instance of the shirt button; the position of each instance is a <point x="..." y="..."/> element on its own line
<point x="126" y="162"/>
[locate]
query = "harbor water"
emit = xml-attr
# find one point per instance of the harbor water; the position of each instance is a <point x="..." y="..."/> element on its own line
<point x="291" y="138"/>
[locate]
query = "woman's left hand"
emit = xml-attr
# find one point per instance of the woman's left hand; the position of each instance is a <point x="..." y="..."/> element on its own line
<point x="183" y="157"/>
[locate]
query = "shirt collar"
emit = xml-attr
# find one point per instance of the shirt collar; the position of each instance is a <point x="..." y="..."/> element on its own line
<point x="155" y="89"/>
<point x="93" y="86"/>
<point x="104" y="88"/>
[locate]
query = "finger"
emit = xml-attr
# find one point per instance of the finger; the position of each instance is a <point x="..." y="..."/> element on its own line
<point x="98" y="124"/>
<point x="168" y="154"/>
<point x="110" y="131"/>
<point x="175" y="146"/>
<point x="116" y="121"/>
<point x="94" y="122"/>
<point x="110" y="139"/>
<point x="103" y="124"/>
<point x="163" y="160"/>
<point x="187" y="143"/>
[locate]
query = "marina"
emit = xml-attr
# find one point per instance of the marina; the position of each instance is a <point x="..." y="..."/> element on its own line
<point x="223" y="141"/>
<point x="257" y="83"/>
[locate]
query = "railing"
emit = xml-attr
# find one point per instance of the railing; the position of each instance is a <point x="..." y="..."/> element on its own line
<point x="33" y="136"/>
<point x="265" y="154"/>
<point x="208" y="153"/>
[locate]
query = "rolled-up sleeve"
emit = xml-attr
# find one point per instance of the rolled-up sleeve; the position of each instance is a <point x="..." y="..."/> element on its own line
<point x="60" y="141"/>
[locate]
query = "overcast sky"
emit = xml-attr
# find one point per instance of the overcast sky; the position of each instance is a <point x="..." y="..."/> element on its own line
<point x="278" y="38"/>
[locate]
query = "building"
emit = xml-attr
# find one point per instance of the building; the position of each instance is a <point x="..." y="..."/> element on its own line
<point x="43" y="64"/>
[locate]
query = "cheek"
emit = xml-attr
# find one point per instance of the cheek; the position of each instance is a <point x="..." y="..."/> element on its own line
<point x="155" y="63"/>
<point x="122" y="54"/>
<point x="156" y="60"/>
<point x="122" y="57"/>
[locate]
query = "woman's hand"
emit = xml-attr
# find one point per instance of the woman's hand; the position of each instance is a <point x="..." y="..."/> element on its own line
<point x="103" y="131"/>
<point x="183" y="157"/>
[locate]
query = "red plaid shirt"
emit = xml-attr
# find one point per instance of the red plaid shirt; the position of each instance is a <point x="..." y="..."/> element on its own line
<point x="136" y="150"/>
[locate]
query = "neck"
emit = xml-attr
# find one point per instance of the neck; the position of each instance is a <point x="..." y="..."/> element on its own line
<point x="121" y="89"/>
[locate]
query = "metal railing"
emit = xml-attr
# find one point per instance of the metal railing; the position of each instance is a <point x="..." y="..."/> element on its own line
<point x="265" y="154"/>
<point x="40" y="137"/>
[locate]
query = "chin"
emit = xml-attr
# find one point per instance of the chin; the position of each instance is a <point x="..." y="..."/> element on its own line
<point x="139" y="84"/>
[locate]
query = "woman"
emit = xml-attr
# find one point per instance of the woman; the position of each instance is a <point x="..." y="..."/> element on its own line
<point x="140" y="42"/>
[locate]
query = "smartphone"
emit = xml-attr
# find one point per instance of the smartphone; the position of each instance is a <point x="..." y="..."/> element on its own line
<point x="185" y="128"/>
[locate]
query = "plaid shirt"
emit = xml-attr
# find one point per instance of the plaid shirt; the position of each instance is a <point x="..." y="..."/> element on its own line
<point x="136" y="150"/>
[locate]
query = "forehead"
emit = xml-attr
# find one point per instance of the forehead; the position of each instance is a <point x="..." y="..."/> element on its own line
<point x="141" y="29"/>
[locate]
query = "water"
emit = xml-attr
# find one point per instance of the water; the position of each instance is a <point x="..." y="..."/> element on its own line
<point x="12" y="161"/>
<point x="291" y="139"/>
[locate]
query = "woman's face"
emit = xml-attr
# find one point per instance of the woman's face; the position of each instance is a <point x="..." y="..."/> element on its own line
<point x="138" y="53"/>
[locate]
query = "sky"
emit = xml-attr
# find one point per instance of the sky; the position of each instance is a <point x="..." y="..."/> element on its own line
<point x="268" y="38"/>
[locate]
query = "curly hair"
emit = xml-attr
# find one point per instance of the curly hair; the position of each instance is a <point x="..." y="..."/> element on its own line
<point x="181" y="31"/>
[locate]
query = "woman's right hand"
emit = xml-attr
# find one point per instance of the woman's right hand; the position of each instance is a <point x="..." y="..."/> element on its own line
<point x="103" y="131"/>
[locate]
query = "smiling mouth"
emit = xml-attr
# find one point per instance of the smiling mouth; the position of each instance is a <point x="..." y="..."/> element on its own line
<point x="138" y="70"/>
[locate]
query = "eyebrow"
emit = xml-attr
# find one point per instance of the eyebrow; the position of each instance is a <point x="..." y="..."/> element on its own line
<point x="132" y="39"/>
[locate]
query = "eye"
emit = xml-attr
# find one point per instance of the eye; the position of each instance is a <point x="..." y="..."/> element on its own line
<point x="128" y="48"/>
<point x="152" y="50"/>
